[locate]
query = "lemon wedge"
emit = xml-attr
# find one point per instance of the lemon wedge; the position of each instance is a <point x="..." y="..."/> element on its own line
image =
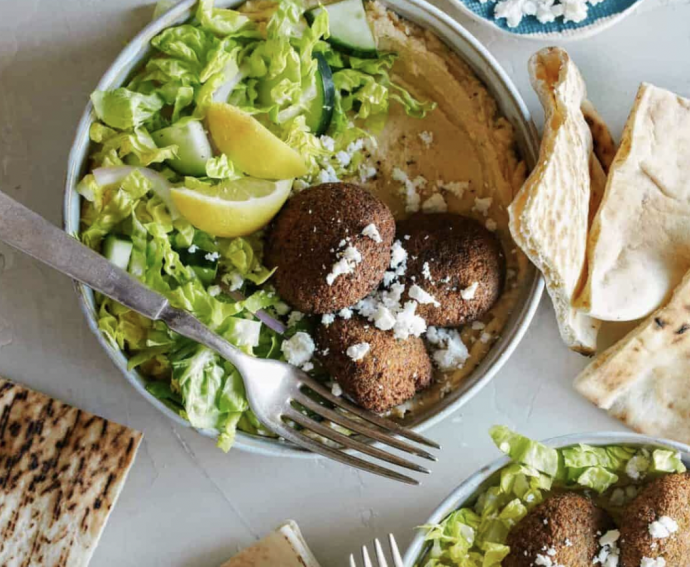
<point x="251" y="146"/>
<point x="232" y="208"/>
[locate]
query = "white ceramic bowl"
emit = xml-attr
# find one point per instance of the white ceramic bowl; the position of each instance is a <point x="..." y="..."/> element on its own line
<point x="468" y="491"/>
<point x="512" y="107"/>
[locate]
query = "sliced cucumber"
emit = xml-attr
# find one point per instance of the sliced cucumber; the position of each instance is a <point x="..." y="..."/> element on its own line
<point x="350" y="31"/>
<point x="193" y="147"/>
<point x="118" y="250"/>
<point x="320" y="113"/>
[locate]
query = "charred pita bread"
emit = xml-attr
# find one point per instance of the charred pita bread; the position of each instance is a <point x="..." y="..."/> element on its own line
<point x="639" y="245"/>
<point x="549" y="218"/>
<point x="285" y="547"/>
<point x="61" y="471"/>
<point x="643" y="380"/>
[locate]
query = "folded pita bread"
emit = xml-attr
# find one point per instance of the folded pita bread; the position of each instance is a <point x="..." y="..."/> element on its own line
<point x="61" y="471"/>
<point x="639" y="245"/>
<point x="604" y="146"/>
<point x="643" y="380"/>
<point x="549" y="218"/>
<point x="285" y="547"/>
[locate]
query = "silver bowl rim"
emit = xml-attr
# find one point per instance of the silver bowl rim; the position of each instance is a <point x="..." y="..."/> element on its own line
<point x="467" y="489"/>
<point x="521" y="317"/>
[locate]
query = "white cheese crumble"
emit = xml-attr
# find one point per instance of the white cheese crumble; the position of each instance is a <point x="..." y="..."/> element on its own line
<point x="427" y="138"/>
<point x="423" y="296"/>
<point x="298" y="349"/>
<point x="491" y="225"/>
<point x="482" y="205"/>
<point x="336" y="390"/>
<point x="426" y="271"/>
<point x="358" y="351"/>
<point x="663" y="527"/>
<point x="478" y="326"/>
<point x="372" y="232"/>
<point x="435" y="204"/>
<point x="408" y="322"/>
<point x="348" y="260"/>
<point x="192" y="249"/>
<point x="637" y="467"/>
<point x="450" y="352"/>
<point x="328" y="143"/>
<point x="545" y="11"/>
<point x="398" y="255"/>
<point x="384" y="318"/>
<point x="649" y="562"/>
<point x="485" y="337"/>
<point x="234" y="280"/>
<point x="609" y="553"/>
<point x="294" y="318"/>
<point x="366" y="172"/>
<point x="327" y="175"/>
<point x="343" y="158"/>
<point x="456" y="188"/>
<point x="212" y="256"/>
<point x="409" y="189"/>
<point x="345" y="313"/>
<point x="214" y="290"/>
<point x="327" y="319"/>
<point x="470" y="291"/>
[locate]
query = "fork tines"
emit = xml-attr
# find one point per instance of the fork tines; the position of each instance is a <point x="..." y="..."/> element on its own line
<point x="369" y="427"/>
<point x="380" y="555"/>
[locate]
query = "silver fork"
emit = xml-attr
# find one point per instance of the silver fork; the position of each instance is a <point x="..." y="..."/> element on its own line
<point x="380" y="555"/>
<point x="273" y="388"/>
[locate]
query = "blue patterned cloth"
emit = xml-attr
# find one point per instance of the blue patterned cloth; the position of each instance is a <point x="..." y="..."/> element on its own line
<point x="596" y="16"/>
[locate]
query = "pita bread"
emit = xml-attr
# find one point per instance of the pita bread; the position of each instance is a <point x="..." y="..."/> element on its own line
<point x="643" y="380"/>
<point x="61" y="471"/>
<point x="285" y="547"/>
<point x="639" y="245"/>
<point x="602" y="140"/>
<point x="549" y="218"/>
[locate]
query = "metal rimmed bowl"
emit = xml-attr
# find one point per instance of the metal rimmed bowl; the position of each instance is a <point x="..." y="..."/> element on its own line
<point x="512" y="107"/>
<point x="469" y="490"/>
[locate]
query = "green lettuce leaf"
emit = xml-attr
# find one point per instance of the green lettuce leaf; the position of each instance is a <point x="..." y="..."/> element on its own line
<point x="525" y="451"/>
<point x="665" y="461"/>
<point x="125" y="109"/>
<point x="219" y="21"/>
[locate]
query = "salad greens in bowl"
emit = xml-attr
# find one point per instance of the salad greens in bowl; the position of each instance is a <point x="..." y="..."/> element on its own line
<point x="471" y="527"/>
<point x="192" y="143"/>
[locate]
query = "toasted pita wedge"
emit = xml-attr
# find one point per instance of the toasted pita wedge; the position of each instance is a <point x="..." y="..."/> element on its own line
<point x="639" y="245"/>
<point x="549" y="218"/>
<point x="643" y="380"/>
<point x="285" y="547"/>
<point x="61" y="471"/>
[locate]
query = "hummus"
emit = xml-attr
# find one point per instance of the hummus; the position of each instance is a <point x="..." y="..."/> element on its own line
<point x="463" y="150"/>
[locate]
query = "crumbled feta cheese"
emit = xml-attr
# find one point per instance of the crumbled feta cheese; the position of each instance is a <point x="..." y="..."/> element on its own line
<point x="398" y="254"/>
<point x="649" y="562"/>
<point x="234" y="280"/>
<point x="192" y="249"/>
<point x="456" y="188"/>
<point x="409" y="189"/>
<point x="399" y="175"/>
<point x="485" y="337"/>
<point x="372" y="232"/>
<point x="343" y="158"/>
<point x="663" y="527"/>
<point x="366" y="307"/>
<point x="345" y="313"/>
<point x="426" y="271"/>
<point x="551" y="551"/>
<point x="609" y="553"/>
<point x="574" y="10"/>
<point x="384" y="318"/>
<point x="469" y="292"/>
<point x="349" y="258"/>
<point x="491" y="225"/>
<point x="328" y="143"/>
<point x="637" y="467"/>
<point x="298" y="349"/>
<point x="358" y="351"/>
<point x="423" y="296"/>
<point x="214" y="290"/>
<point x="336" y="390"/>
<point x="427" y="138"/>
<point x="389" y="277"/>
<point x="408" y="322"/>
<point x="478" y="326"/>
<point x="366" y="172"/>
<point x="212" y="256"/>
<point x="391" y="297"/>
<point x="307" y="366"/>
<point x="294" y="318"/>
<point x="435" y="204"/>
<point x="327" y="175"/>
<point x="482" y="205"/>
<point x="450" y="353"/>
<point x="327" y="319"/>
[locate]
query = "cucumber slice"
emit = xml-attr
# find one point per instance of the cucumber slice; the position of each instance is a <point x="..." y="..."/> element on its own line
<point x="320" y="113"/>
<point x="350" y="31"/>
<point x="193" y="147"/>
<point x="118" y="250"/>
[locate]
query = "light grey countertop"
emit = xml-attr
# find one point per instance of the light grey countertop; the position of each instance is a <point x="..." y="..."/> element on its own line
<point x="186" y="503"/>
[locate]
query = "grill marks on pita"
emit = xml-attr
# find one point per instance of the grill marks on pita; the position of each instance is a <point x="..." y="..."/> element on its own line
<point x="61" y="471"/>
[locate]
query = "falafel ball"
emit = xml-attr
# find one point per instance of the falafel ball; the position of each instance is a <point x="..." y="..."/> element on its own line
<point x="456" y="260"/>
<point x="389" y="372"/>
<point x="568" y="524"/>
<point x="666" y="498"/>
<point x="314" y="231"/>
